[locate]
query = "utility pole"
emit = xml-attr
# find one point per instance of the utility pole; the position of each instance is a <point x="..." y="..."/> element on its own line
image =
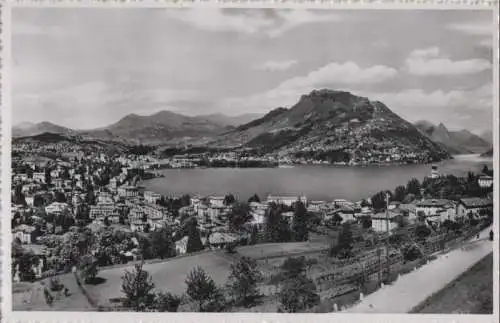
<point x="387" y="229"/>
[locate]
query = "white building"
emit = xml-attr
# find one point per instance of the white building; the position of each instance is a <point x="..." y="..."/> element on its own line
<point x="217" y="201"/>
<point x="485" y="181"/>
<point x="432" y="207"/>
<point x="128" y="191"/>
<point x="151" y="197"/>
<point x="39" y="177"/>
<point x="58" y="208"/>
<point x="381" y="224"/>
<point x="24" y="233"/>
<point x="473" y="205"/>
<point x="286" y="200"/>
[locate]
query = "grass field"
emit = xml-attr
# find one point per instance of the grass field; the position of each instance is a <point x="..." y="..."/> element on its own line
<point x="167" y="276"/>
<point x="30" y="297"/>
<point x="280" y="249"/>
<point x="471" y="293"/>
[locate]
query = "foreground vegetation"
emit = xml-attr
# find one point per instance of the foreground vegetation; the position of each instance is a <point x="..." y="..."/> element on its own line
<point x="471" y="293"/>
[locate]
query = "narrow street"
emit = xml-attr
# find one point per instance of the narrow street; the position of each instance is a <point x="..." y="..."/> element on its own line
<point x="415" y="287"/>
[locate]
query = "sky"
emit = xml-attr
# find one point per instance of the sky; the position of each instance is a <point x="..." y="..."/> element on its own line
<point x="87" y="68"/>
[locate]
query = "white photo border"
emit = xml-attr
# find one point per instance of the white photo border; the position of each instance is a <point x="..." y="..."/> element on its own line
<point x="5" y="180"/>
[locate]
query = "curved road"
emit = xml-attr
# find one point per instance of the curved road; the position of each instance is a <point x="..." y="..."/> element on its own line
<point x="415" y="287"/>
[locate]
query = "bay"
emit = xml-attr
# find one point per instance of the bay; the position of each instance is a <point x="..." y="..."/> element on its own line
<point x="317" y="182"/>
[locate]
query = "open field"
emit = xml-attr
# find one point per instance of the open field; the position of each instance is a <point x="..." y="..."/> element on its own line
<point x="30" y="297"/>
<point x="271" y="250"/>
<point x="167" y="276"/>
<point x="471" y="293"/>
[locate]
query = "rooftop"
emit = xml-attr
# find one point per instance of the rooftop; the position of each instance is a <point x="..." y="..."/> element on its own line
<point x="476" y="202"/>
<point x="433" y="203"/>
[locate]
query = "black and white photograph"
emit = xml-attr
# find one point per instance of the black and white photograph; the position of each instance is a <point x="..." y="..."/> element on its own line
<point x="251" y="160"/>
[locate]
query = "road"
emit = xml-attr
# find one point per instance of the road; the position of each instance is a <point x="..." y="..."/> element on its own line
<point x="415" y="287"/>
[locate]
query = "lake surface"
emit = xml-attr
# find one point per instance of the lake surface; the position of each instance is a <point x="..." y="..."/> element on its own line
<point x="317" y="182"/>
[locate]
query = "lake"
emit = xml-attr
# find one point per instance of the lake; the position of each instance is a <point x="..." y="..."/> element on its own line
<point x="317" y="182"/>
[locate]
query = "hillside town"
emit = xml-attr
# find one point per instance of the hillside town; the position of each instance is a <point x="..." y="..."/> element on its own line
<point x="90" y="205"/>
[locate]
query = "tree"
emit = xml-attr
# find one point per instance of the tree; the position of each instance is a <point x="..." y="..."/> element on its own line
<point x="162" y="243"/>
<point x="253" y="235"/>
<point x="298" y="294"/>
<point x="137" y="285"/>
<point x="422" y="231"/>
<point x="26" y="262"/>
<point x="300" y="221"/>
<point x="366" y="222"/>
<point x="60" y="197"/>
<point x="379" y="200"/>
<point x="344" y="245"/>
<point x="229" y="199"/>
<point x="399" y="194"/>
<point x="243" y="281"/>
<point x="293" y="267"/>
<point x="364" y="203"/>
<point x="88" y="268"/>
<point x="194" y="239"/>
<point x="254" y="198"/>
<point x="240" y="214"/>
<point x="272" y="220"/>
<point x="166" y="302"/>
<point x="48" y="177"/>
<point x="413" y="187"/>
<point x="201" y="289"/>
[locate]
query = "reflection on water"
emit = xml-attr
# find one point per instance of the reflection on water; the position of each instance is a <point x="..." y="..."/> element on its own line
<point x="316" y="182"/>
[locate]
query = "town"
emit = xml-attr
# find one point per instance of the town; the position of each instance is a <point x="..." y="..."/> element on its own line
<point x="83" y="212"/>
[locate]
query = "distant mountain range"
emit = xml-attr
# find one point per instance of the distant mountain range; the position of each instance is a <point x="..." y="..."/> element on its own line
<point x="160" y="128"/>
<point x="456" y="142"/>
<point x="323" y="121"/>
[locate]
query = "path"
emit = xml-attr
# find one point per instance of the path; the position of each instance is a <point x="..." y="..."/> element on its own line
<point x="415" y="287"/>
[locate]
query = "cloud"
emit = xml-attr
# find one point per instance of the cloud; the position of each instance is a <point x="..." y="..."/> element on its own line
<point x="214" y="19"/>
<point x="273" y="66"/>
<point x="333" y="75"/>
<point x="458" y="109"/>
<point x="476" y="29"/>
<point x="249" y="21"/>
<point x="295" y="18"/>
<point x="77" y="106"/>
<point x="430" y="61"/>
<point x="476" y="99"/>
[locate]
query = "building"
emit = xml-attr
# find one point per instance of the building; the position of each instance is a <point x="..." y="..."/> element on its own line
<point x="217" y="201"/>
<point x="181" y="246"/>
<point x="346" y="213"/>
<point x="151" y="197"/>
<point x="220" y="239"/>
<point x="128" y="191"/>
<point x="104" y="197"/>
<point x="473" y="205"/>
<point x="485" y="181"/>
<point x="316" y="206"/>
<point x="39" y="177"/>
<point x="434" y="172"/>
<point x="382" y="223"/>
<point x="341" y="202"/>
<point x="30" y="200"/>
<point x="286" y="200"/>
<point x="20" y="177"/>
<point x="103" y="210"/>
<point x="25" y="233"/>
<point x="432" y="207"/>
<point x="58" y="208"/>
